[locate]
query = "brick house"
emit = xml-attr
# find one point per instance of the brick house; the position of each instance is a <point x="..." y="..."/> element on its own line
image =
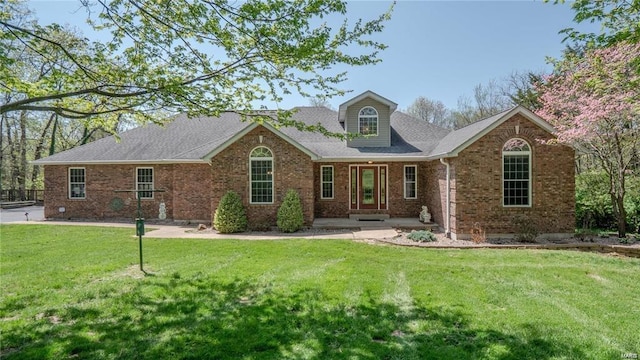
<point x="495" y="173"/>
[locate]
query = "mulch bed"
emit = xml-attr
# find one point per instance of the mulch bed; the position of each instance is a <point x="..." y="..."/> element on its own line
<point x="611" y="245"/>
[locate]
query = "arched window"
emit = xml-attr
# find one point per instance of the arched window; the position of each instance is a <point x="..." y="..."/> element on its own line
<point x="516" y="173"/>
<point x="261" y="175"/>
<point x="368" y="121"/>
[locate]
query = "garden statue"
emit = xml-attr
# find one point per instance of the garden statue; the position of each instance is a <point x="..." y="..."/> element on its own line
<point x="163" y="211"/>
<point x="425" y="216"/>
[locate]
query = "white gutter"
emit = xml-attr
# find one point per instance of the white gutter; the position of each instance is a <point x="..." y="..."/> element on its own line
<point x="376" y="159"/>
<point x="119" y="162"/>
<point x="448" y="201"/>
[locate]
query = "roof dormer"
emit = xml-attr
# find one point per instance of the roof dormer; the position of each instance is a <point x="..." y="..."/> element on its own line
<point x="369" y="115"/>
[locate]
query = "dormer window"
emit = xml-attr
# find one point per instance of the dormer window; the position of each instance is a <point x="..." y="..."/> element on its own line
<point x="368" y="121"/>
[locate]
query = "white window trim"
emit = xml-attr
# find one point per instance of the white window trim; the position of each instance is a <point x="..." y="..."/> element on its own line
<point x="405" y="182"/>
<point x="377" y="120"/>
<point x="153" y="180"/>
<point x="272" y="176"/>
<point x="530" y="179"/>
<point x="322" y="182"/>
<point x="84" y="172"/>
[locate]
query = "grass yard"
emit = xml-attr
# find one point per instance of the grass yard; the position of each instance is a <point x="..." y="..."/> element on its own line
<point x="77" y="292"/>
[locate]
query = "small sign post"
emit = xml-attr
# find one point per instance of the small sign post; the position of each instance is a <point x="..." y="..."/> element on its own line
<point x="140" y="219"/>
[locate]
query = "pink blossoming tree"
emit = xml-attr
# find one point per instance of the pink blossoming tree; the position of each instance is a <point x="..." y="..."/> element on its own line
<point x="594" y="103"/>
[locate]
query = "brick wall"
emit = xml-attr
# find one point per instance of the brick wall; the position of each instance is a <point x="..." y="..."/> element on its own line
<point x="398" y="206"/>
<point x="478" y="184"/>
<point x="192" y="192"/>
<point x="185" y="199"/>
<point x="436" y="192"/>
<point x="292" y="170"/>
<point x="338" y="207"/>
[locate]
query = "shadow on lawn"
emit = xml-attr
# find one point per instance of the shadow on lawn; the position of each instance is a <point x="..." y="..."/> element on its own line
<point x="202" y="318"/>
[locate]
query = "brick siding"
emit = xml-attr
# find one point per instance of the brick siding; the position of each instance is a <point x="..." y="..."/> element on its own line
<point x="193" y="191"/>
<point x="477" y="184"/>
<point x="398" y="206"/>
<point x="187" y="196"/>
<point x="291" y="170"/>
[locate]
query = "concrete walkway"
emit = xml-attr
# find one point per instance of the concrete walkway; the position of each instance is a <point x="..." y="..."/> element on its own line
<point x="191" y="232"/>
<point x="324" y="228"/>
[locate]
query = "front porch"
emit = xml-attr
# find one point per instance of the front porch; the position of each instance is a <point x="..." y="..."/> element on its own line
<point x="353" y="223"/>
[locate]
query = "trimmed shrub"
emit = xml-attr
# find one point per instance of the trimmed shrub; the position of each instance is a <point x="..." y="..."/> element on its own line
<point x="526" y="229"/>
<point x="478" y="234"/>
<point x="422" y="236"/>
<point x="290" y="217"/>
<point x="230" y="216"/>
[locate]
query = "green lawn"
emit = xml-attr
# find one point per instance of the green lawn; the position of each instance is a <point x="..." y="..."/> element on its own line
<point x="77" y="292"/>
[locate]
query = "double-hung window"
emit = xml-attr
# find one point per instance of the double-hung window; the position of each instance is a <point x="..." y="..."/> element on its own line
<point x="516" y="173"/>
<point x="144" y="181"/>
<point x="261" y="175"/>
<point x="326" y="182"/>
<point x="77" y="183"/>
<point x="410" y="182"/>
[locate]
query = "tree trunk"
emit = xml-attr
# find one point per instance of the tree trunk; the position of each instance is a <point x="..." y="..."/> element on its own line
<point x="39" y="147"/>
<point x="2" y="117"/>
<point x="622" y="216"/>
<point x="13" y="158"/>
<point x="22" y="174"/>
<point x="52" y="146"/>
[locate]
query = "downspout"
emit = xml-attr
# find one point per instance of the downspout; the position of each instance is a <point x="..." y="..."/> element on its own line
<point x="448" y="201"/>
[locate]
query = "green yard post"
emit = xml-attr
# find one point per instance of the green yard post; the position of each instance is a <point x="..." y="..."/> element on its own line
<point x="139" y="218"/>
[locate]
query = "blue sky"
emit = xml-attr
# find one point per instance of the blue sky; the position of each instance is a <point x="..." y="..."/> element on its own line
<point x="437" y="49"/>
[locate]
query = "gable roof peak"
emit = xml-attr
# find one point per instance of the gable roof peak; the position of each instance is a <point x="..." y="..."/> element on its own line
<point x="460" y="139"/>
<point x="342" y="110"/>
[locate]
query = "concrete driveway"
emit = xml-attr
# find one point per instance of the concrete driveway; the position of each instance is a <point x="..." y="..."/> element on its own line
<point x="18" y="214"/>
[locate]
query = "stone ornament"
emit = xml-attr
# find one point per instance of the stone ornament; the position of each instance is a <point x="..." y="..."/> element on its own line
<point x="425" y="216"/>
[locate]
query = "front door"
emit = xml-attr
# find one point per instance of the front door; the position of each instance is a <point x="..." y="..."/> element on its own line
<point x="369" y="188"/>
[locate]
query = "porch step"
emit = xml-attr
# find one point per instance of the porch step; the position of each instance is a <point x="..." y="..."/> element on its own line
<point x="369" y="217"/>
<point x="351" y="223"/>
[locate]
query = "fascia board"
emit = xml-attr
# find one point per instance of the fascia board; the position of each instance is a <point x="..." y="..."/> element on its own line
<point x="116" y="162"/>
<point x="518" y="109"/>
<point x="248" y="129"/>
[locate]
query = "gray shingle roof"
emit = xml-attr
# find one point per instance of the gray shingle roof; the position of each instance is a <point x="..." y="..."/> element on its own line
<point x="182" y="139"/>
<point x="193" y="139"/>
<point x="458" y="140"/>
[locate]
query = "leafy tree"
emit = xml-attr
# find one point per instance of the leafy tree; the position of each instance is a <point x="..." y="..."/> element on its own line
<point x="320" y="101"/>
<point x="620" y="20"/>
<point x="26" y="134"/>
<point x="519" y="87"/>
<point x="432" y="111"/>
<point x="199" y="57"/>
<point x="593" y="103"/>
<point x="487" y="100"/>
